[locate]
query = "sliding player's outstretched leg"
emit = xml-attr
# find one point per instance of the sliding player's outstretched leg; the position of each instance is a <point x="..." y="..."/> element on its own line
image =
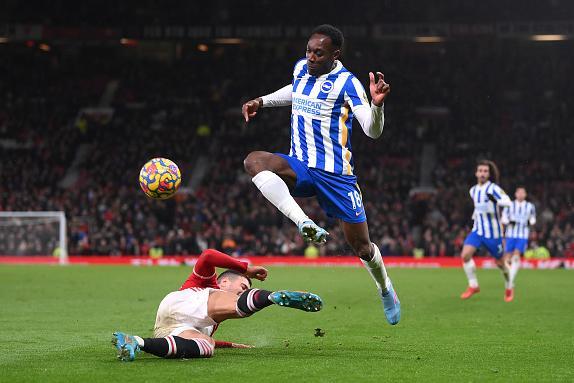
<point x="253" y="300"/>
<point x="357" y="235"/>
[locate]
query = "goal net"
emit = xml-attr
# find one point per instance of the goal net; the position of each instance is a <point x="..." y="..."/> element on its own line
<point x="38" y="233"/>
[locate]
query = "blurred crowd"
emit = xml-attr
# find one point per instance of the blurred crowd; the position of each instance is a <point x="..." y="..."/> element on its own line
<point x="467" y="101"/>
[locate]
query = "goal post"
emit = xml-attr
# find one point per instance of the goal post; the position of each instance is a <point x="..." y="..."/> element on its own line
<point x="25" y="220"/>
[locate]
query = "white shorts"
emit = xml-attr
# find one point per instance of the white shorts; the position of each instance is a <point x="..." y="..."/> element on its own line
<point x="184" y="310"/>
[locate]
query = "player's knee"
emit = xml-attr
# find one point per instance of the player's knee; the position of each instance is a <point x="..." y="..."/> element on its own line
<point x="363" y="250"/>
<point x="253" y="163"/>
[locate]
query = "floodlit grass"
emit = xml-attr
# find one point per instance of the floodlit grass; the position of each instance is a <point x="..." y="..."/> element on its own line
<point x="56" y="325"/>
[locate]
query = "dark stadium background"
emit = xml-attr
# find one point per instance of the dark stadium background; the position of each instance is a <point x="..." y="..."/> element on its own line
<point x="89" y="91"/>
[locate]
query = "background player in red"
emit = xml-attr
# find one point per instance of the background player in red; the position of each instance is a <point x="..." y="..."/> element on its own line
<point x="186" y="319"/>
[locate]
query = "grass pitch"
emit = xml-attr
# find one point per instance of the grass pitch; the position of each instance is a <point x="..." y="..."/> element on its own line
<point x="56" y="325"/>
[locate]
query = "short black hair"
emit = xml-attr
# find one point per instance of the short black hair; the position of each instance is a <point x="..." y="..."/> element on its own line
<point x="334" y="33"/>
<point x="232" y="274"/>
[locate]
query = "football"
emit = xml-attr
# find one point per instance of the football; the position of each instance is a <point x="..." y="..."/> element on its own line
<point x="160" y="178"/>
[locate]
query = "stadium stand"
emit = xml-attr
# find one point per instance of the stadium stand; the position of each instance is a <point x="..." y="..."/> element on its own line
<point x="462" y="101"/>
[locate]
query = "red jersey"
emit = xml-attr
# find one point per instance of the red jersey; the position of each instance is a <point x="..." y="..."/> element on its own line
<point x="204" y="274"/>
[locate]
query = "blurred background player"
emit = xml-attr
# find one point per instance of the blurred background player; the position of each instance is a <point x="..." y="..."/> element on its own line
<point x="487" y="231"/>
<point x="325" y="96"/>
<point x="517" y="217"/>
<point x="186" y="319"/>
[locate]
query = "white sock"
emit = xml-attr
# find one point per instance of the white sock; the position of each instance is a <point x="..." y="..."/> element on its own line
<point x="277" y="192"/>
<point x="506" y="275"/>
<point x="139" y="340"/>
<point x="470" y="270"/>
<point x="376" y="268"/>
<point x="514" y="267"/>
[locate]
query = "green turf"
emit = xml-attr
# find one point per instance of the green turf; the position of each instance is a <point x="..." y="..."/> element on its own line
<point x="56" y="325"/>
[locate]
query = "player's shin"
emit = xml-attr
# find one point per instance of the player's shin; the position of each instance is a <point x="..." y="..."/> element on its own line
<point x="251" y="301"/>
<point x="176" y="347"/>
<point x="505" y="269"/>
<point x="514" y="267"/>
<point x="376" y="268"/>
<point x="470" y="271"/>
<point x="276" y="191"/>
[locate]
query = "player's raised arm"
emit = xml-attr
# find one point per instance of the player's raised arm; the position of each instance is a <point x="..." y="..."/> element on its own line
<point x="281" y="97"/>
<point x="371" y="117"/>
<point x="210" y="259"/>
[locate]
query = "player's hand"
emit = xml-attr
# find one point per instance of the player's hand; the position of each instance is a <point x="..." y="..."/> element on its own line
<point x="380" y="89"/>
<point x="256" y="272"/>
<point x="240" y="345"/>
<point x="249" y="109"/>
<point x="491" y="197"/>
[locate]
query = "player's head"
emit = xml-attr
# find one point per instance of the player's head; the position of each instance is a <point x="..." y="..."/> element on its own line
<point x="520" y="193"/>
<point x="233" y="281"/>
<point x="486" y="170"/>
<point x="323" y="48"/>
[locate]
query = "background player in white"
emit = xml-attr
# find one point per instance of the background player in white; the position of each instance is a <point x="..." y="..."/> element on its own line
<point x="487" y="231"/>
<point x="517" y="217"/>
<point x="186" y="319"/>
<point x="324" y="97"/>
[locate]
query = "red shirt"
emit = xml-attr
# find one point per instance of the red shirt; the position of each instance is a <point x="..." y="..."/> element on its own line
<point x="204" y="274"/>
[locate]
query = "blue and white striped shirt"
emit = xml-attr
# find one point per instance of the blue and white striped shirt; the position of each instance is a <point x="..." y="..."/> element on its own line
<point x="321" y="123"/>
<point x="518" y="216"/>
<point x="486" y="215"/>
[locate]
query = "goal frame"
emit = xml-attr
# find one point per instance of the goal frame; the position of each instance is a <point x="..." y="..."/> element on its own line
<point x="59" y="215"/>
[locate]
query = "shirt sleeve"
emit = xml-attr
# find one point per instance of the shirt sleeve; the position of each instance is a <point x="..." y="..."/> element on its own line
<point x="370" y="117"/>
<point x="470" y="192"/>
<point x="281" y="97"/>
<point x="502" y="199"/>
<point x="210" y="259"/>
<point x="505" y="219"/>
<point x="532" y="218"/>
